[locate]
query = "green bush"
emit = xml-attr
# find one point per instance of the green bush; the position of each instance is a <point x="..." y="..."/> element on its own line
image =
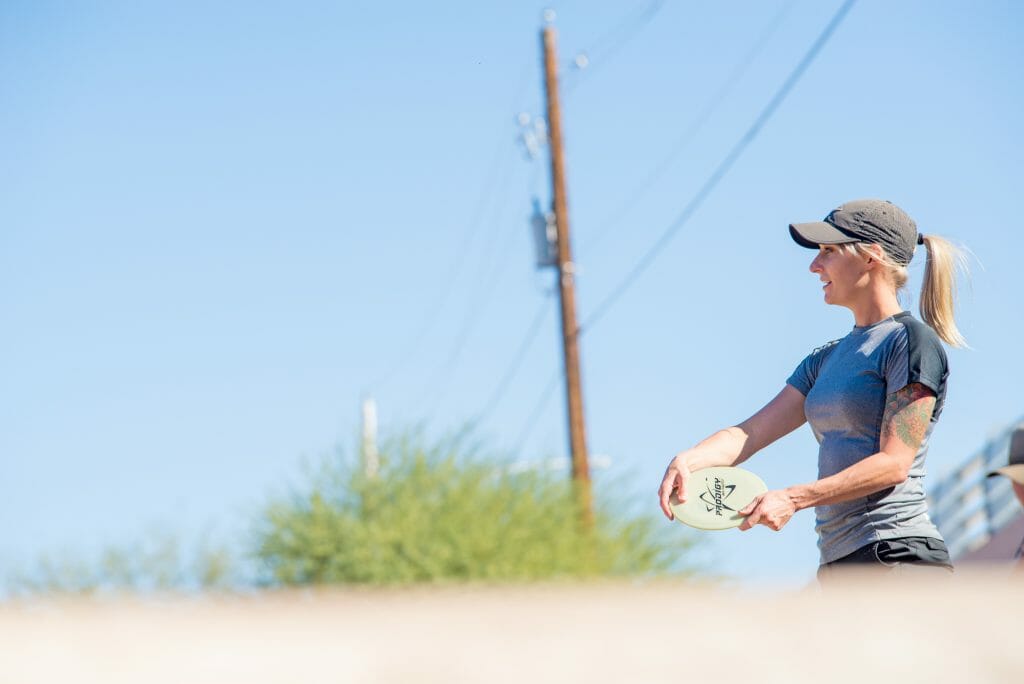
<point x="157" y="563"/>
<point x="436" y="514"/>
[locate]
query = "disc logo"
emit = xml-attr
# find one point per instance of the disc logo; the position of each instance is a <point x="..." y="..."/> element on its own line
<point x="715" y="495"/>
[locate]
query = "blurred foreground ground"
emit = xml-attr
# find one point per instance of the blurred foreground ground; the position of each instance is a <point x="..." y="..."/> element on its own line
<point x="967" y="629"/>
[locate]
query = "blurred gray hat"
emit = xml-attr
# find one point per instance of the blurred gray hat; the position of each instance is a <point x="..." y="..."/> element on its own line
<point x="1015" y="463"/>
<point x="874" y="221"/>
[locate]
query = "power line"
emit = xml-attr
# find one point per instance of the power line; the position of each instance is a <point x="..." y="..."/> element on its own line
<point x="691" y="132"/>
<point x="687" y="212"/>
<point x="491" y="275"/>
<point x="723" y="168"/>
<point x="517" y="359"/>
<point x="617" y="37"/>
<point x="427" y="322"/>
<point x="531" y="421"/>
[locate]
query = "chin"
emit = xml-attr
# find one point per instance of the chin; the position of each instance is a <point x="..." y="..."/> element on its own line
<point x="830" y="298"/>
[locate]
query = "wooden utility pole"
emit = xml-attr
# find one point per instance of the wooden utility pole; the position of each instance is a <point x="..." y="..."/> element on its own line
<point x="566" y="280"/>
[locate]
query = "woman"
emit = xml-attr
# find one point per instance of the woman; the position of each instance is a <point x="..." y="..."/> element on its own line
<point x="872" y="398"/>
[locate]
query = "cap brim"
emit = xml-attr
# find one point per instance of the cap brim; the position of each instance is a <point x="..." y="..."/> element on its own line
<point x="811" y="235"/>
<point x="1015" y="472"/>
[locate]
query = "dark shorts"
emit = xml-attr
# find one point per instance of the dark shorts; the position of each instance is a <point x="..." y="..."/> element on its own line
<point x="921" y="552"/>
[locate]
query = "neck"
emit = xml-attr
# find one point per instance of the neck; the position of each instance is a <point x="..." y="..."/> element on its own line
<point x="878" y="307"/>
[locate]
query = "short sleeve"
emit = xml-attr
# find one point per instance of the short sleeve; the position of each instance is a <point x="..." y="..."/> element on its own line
<point x="803" y="378"/>
<point x="916" y="357"/>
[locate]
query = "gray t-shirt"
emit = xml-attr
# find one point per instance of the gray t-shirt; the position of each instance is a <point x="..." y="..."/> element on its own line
<point x="845" y="383"/>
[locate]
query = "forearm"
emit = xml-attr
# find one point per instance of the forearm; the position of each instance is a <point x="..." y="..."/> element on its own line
<point x="872" y="474"/>
<point x="726" y="447"/>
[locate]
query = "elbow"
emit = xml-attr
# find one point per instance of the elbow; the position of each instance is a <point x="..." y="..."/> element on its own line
<point x="897" y="479"/>
<point x="897" y="472"/>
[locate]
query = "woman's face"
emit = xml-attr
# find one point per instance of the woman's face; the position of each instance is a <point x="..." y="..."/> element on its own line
<point x="843" y="274"/>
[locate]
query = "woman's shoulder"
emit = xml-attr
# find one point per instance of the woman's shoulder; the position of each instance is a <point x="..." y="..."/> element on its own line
<point x="918" y="355"/>
<point x="818" y="355"/>
<point x="826" y="348"/>
<point x="916" y="336"/>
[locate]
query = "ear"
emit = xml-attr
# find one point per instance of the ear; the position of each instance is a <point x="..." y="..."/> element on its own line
<point x="872" y="254"/>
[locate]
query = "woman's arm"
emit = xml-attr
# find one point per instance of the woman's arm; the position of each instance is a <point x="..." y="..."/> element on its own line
<point x="734" y="445"/>
<point x="904" y="424"/>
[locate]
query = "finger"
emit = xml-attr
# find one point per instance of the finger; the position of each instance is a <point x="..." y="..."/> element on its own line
<point x="682" y="478"/>
<point x="749" y="508"/>
<point x="663" y="494"/>
<point x="753" y="519"/>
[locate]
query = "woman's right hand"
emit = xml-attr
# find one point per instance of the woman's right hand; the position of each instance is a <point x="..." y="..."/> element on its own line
<point x="676" y="476"/>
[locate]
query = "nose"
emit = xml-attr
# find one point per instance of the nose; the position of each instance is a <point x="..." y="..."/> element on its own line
<point x="815" y="266"/>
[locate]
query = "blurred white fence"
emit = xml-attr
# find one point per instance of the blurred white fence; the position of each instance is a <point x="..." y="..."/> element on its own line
<point x="968" y="507"/>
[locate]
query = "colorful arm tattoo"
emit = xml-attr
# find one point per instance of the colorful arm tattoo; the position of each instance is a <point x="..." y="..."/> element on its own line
<point x="907" y="413"/>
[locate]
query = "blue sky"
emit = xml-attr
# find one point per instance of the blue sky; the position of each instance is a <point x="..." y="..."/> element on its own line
<point x="222" y="225"/>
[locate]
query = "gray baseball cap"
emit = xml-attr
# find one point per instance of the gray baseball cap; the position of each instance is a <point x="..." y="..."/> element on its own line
<point x="873" y="221"/>
<point x="1015" y="466"/>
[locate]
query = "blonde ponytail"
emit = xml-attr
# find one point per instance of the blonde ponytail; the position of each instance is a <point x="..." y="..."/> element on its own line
<point x="938" y="292"/>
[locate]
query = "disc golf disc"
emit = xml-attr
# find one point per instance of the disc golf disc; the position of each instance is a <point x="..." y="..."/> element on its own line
<point x="715" y="495"/>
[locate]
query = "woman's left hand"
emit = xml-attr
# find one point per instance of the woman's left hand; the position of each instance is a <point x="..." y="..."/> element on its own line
<point x="772" y="509"/>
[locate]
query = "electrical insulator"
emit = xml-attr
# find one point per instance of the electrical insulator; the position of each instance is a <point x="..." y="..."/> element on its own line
<point x="545" y="236"/>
